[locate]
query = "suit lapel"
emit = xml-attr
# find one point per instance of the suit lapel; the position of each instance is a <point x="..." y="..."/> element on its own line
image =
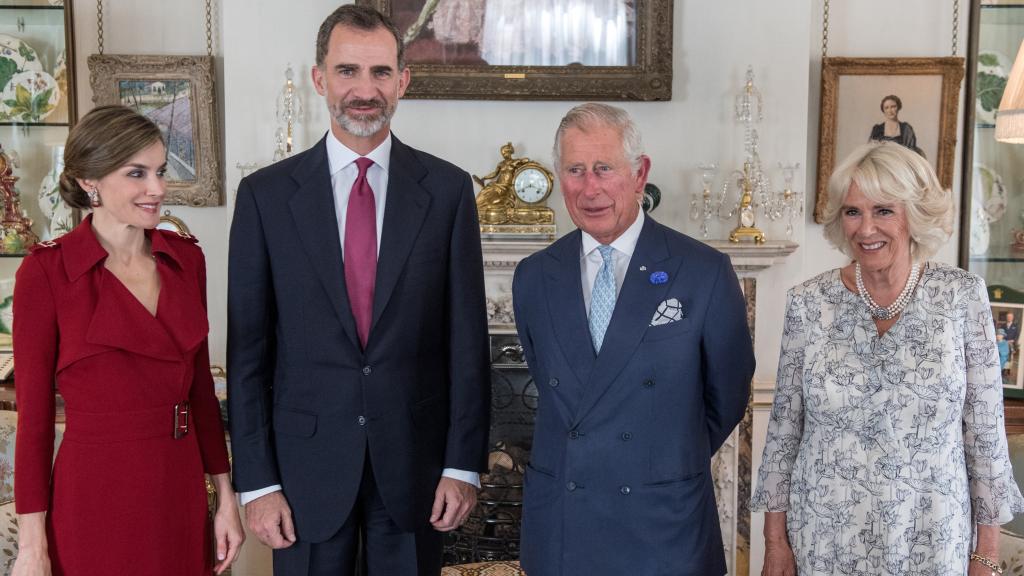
<point x="315" y="217"/>
<point x="568" y="313"/>
<point x="404" y="212"/>
<point x="634" y="307"/>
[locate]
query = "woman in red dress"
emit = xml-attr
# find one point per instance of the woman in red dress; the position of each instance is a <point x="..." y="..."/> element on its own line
<point x="114" y="313"/>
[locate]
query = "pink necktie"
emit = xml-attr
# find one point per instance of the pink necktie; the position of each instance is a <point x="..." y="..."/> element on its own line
<point x="361" y="250"/>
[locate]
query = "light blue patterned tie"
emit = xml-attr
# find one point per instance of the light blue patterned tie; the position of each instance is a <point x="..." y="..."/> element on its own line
<point x="602" y="299"/>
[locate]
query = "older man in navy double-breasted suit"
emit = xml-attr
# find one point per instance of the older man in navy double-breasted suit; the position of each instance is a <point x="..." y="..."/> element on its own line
<point x="637" y="338"/>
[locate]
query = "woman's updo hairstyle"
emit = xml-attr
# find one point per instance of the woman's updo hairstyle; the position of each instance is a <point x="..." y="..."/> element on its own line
<point x="102" y="141"/>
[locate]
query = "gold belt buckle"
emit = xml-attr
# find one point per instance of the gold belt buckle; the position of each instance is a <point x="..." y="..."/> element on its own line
<point x="181" y="414"/>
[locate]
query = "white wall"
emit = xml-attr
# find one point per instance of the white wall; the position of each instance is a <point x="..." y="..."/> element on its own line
<point x="714" y="42"/>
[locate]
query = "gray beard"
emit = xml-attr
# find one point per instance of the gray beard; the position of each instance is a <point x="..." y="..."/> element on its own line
<point x="362" y="128"/>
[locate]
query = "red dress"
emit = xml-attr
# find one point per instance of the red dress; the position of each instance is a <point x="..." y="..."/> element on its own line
<point x="125" y="496"/>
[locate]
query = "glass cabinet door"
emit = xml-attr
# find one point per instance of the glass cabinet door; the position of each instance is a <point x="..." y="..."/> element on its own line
<point x="37" y="109"/>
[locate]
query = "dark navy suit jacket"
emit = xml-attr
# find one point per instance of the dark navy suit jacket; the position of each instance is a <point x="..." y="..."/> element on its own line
<point x="306" y="402"/>
<point x="619" y="480"/>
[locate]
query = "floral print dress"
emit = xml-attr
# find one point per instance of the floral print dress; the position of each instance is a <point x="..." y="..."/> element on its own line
<point x="885" y="451"/>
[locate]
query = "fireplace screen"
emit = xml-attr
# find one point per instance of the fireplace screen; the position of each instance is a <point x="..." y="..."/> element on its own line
<point x="492" y="530"/>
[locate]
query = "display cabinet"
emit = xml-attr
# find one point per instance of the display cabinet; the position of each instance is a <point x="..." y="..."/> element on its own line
<point x="37" y="109"/>
<point x="992" y="208"/>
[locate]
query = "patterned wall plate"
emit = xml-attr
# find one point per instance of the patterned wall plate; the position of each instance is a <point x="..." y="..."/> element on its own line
<point x="16" y="56"/>
<point x="993" y="71"/>
<point x="30" y="96"/>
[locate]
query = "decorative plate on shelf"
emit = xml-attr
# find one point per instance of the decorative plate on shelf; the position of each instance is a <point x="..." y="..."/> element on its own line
<point x="29" y="97"/>
<point x="990" y="192"/>
<point x="993" y="71"/>
<point x="16" y="56"/>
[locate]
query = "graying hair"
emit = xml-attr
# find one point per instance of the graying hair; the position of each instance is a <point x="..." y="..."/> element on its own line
<point x="889" y="173"/>
<point x="591" y="114"/>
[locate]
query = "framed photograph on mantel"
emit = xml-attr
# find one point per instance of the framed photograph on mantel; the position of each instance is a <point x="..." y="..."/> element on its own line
<point x="912" y="101"/>
<point x="546" y="50"/>
<point x="177" y="93"/>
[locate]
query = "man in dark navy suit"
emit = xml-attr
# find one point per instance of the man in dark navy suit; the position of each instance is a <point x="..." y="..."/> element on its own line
<point x="357" y="334"/>
<point x="637" y="338"/>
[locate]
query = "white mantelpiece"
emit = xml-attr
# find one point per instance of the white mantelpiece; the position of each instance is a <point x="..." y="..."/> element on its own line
<point x="502" y="256"/>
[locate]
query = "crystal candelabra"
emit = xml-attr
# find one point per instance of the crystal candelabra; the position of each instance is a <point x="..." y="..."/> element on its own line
<point x="789" y="204"/>
<point x="703" y="206"/>
<point x="289" y="113"/>
<point x="750" y="185"/>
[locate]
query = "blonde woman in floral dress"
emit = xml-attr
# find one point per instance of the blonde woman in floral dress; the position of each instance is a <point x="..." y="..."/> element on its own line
<point x="886" y="453"/>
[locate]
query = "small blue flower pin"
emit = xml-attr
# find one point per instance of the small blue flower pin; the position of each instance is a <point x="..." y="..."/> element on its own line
<point x="659" y="277"/>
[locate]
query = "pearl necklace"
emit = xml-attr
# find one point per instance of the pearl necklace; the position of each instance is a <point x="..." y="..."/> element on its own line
<point x="891" y="311"/>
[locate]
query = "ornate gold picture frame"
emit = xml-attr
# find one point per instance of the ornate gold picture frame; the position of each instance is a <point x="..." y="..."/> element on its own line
<point x="176" y="92"/>
<point x="853" y="93"/>
<point x="645" y="27"/>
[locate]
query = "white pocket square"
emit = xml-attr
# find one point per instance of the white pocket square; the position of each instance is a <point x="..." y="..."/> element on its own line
<point x="669" y="311"/>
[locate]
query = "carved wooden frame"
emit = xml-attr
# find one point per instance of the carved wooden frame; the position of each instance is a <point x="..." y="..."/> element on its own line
<point x="649" y="79"/>
<point x="106" y="71"/>
<point x="951" y="69"/>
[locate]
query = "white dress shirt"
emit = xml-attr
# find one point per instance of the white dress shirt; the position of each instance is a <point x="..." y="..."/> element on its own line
<point x="342" y="164"/>
<point x="622" y="252"/>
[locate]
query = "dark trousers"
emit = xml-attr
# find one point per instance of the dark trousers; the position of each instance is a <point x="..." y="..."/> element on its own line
<point x="368" y="544"/>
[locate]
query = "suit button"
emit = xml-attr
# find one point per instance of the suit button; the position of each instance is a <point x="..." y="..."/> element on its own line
<point x="553" y="382"/>
<point x="648" y="383"/>
<point x="627" y="436"/>
<point x="361" y="420"/>
<point x="571" y="486"/>
<point x="574" y="435"/>
<point x="624" y="490"/>
<point x="367" y="370"/>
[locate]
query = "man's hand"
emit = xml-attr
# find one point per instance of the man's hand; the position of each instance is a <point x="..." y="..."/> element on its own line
<point x="453" y="501"/>
<point x="270" y="519"/>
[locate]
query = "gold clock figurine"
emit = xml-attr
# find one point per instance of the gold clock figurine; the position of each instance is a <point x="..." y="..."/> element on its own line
<point x="512" y="198"/>
<point x="746" y="228"/>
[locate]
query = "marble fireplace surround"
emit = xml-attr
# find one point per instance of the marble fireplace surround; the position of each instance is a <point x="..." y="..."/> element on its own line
<point x="731" y="465"/>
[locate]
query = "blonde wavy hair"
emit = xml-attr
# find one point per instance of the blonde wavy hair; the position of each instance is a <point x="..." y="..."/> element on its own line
<point x="888" y="173"/>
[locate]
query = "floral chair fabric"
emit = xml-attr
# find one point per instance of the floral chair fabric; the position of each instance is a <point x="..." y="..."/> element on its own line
<point x="1011" y="553"/>
<point x="484" y="569"/>
<point x="8" y="519"/>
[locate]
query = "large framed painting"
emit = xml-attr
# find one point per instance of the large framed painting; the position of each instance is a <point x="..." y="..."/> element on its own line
<point x="912" y="101"/>
<point x="535" y="49"/>
<point x="177" y="93"/>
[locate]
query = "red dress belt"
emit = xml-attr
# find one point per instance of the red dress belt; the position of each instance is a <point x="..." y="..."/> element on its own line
<point x="98" y="428"/>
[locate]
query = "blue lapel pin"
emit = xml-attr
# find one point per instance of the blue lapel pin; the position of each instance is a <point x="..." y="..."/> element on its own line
<point x="659" y="277"/>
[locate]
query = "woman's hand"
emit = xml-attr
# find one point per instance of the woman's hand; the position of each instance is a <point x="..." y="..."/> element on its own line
<point x="227" y="526"/>
<point x="33" y="557"/>
<point x="778" y="555"/>
<point x="779" y="560"/>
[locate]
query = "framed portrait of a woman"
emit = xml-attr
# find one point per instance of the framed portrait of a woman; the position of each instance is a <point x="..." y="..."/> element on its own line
<point x="910" y="101"/>
<point x="535" y="49"/>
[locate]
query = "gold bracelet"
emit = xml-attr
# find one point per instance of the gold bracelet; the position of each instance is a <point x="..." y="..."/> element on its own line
<point x="987" y="562"/>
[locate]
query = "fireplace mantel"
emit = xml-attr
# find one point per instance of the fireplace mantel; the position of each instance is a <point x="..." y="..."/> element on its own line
<point x="502" y="256"/>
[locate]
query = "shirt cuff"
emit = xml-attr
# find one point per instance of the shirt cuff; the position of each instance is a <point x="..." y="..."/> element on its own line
<point x="246" y="497"/>
<point x="463" y="475"/>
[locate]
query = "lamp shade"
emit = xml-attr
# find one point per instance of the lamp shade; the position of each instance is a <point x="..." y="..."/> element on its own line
<point x="1010" y="118"/>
